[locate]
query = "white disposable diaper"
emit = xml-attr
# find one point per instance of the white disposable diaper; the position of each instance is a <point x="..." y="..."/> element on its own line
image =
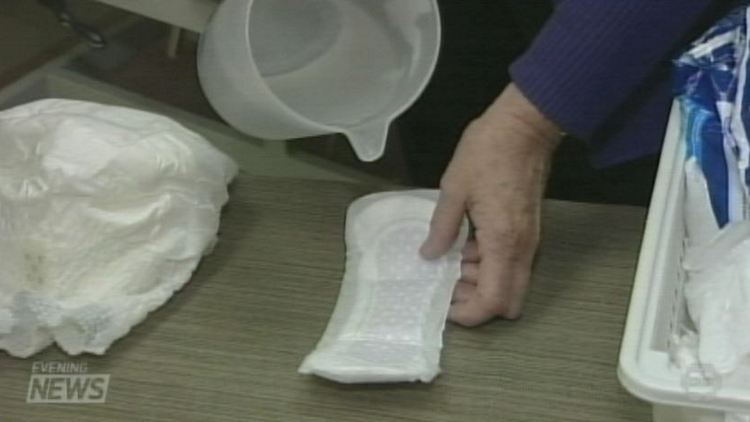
<point x="104" y="213"/>
<point x="392" y="307"/>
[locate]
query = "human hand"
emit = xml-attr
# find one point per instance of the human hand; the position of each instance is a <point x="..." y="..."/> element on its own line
<point x="497" y="177"/>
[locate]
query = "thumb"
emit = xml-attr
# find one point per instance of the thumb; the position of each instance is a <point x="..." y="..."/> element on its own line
<point x="445" y="225"/>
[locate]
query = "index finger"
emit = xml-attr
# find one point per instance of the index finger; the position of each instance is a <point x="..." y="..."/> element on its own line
<point x="445" y="224"/>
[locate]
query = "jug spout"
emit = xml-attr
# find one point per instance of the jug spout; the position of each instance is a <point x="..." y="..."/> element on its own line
<point x="368" y="140"/>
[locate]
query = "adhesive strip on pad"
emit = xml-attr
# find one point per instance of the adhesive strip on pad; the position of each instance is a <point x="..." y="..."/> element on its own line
<point x="392" y="307"/>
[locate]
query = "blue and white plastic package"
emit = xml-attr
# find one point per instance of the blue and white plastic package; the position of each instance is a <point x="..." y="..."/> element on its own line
<point x="714" y="99"/>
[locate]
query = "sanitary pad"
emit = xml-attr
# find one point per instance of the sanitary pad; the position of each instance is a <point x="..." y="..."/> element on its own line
<point x="104" y="213"/>
<point x="393" y="304"/>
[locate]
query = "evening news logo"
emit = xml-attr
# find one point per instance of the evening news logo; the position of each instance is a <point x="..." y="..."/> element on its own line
<point x="66" y="382"/>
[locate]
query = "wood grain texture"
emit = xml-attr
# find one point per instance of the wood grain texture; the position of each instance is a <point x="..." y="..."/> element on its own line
<point x="226" y="347"/>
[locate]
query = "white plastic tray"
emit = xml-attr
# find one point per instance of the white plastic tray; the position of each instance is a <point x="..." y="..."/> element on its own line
<point x="657" y="305"/>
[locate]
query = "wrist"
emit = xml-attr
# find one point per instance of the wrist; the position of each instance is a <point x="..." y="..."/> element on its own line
<point x="513" y="109"/>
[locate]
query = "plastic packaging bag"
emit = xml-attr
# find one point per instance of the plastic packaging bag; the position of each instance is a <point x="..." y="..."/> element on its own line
<point x="711" y="85"/>
<point x="714" y="96"/>
<point x="718" y="297"/>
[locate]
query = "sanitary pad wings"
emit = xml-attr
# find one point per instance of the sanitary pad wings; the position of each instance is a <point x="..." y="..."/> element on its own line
<point x="392" y="307"/>
<point x="104" y="213"/>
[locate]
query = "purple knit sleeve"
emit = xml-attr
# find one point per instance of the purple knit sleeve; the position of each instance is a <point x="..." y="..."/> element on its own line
<point x="592" y="55"/>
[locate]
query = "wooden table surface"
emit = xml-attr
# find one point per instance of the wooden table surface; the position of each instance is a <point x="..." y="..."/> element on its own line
<point x="227" y="347"/>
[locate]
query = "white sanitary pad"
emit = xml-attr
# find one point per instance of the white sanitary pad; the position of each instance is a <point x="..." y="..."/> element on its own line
<point x="393" y="304"/>
<point x="104" y="213"/>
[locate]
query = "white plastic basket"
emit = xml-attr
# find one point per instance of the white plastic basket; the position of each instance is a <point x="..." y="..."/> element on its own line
<point x="658" y="310"/>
